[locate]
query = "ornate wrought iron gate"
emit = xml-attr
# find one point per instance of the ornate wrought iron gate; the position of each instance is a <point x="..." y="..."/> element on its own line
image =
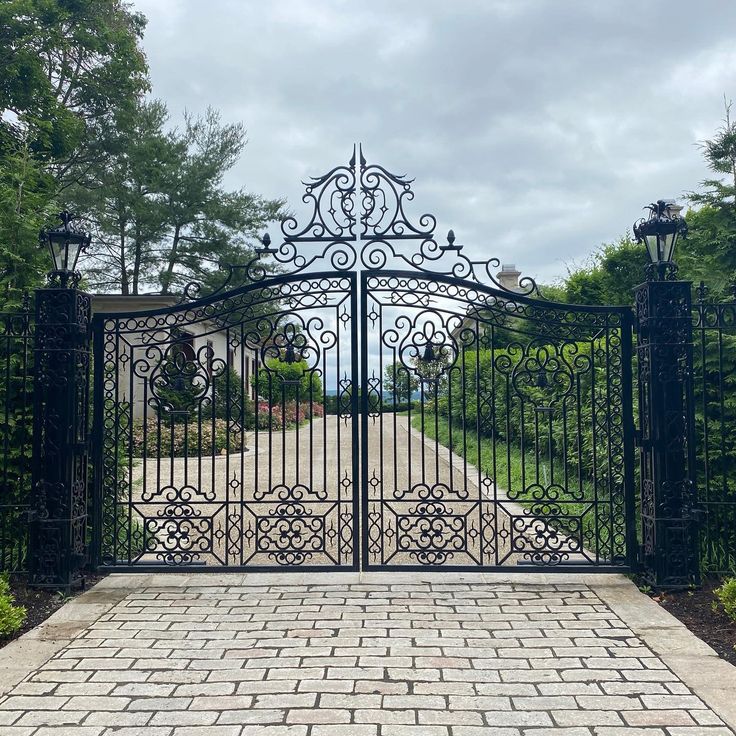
<point x="225" y="428"/>
<point x="496" y="427"/>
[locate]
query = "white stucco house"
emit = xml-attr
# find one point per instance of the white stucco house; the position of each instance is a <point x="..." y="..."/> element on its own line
<point x="194" y="339"/>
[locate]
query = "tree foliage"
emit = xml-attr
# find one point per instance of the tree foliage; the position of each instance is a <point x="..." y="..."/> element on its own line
<point x="399" y="382"/>
<point x="68" y="71"/>
<point x="162" y="216"/>
<point x="280" y="383"/>
<point x="77" y="132"/>
<point x="613" y="272"/>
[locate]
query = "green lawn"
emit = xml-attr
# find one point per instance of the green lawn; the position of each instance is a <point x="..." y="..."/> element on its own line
<point x="504" y="462"/>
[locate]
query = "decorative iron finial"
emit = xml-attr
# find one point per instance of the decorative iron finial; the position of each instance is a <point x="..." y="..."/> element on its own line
<point x="358" y="216"/>
<point x="701" y="291"/>
<point x="266" y="249"/>
<point x="451" y="243"/>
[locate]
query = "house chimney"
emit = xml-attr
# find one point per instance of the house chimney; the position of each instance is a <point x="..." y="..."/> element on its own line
<point x="508" y="277"/>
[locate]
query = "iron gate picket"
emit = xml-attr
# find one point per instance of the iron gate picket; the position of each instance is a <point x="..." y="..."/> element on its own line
<point x="211" y="451"/>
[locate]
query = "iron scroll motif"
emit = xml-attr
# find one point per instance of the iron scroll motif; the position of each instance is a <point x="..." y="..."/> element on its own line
<point x="514" y="451"/>
<point x="358" y="216"/>
<point x="219" y="406"/>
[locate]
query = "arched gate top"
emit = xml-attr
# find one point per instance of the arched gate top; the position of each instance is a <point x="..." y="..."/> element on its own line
<point x="359" y="217"/>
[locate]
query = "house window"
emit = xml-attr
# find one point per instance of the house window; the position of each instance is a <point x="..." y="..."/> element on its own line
<point x="210" y="357"/>
<point x="185" y="343"/>
<point x="230" y="357"/>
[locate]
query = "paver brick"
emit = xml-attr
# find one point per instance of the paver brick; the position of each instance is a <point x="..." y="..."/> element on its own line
<point x="116" y="719"/>
<point x="291" y="700"/>
<point x="587" y="718"/>
<point x="139" y="731"/>
<point x="252" y="715"/>
<point x="353" y="729"/>
<point x="385" y="716"/>
<point x="484" y="731"/>
<point x="160" y="704"/>
<point x="69" y="731"/>
<point x="51" y="718"/>
<point x="450" y="717"/>
<point x="184" y="718"/>
<point x="318" y="715"/>
<point x="658" y="718"/>
<point x="395" y="702"/>
<point x="33" y="702"/>
<point x="207" y="731"/>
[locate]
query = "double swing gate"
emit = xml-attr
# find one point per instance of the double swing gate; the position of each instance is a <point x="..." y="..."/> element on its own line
<point x="367" y="397"/>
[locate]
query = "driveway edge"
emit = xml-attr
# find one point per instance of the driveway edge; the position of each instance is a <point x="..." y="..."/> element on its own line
<point x="28" y="652"/>
<point x="690" y="658"/>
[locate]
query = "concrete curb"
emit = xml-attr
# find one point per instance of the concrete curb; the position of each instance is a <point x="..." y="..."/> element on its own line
<point x="28" y="652"/>
<point x="690" y="658"/>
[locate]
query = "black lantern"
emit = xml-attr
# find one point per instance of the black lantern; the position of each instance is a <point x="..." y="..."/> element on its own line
<point x="65" y="244"/>
<point x="660" y="232"/>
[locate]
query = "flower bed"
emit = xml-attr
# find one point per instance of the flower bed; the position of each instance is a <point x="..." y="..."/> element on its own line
<point x="213" y="438"/>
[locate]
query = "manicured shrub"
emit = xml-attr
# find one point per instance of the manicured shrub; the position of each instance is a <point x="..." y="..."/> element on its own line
<point x="281" y="382"/>
<point x="155" y="440"/>
<point x="11" y="616"/>
<point x="727" y="596"/>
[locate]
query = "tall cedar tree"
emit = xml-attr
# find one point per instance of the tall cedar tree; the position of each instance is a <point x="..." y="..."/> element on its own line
<point x="163" y="218"/>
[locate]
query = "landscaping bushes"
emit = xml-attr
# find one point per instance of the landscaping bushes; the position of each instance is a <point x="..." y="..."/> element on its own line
<point x="498" y="393"/>
<point x="726" y="594"/>
<point x="11" y="616"/>
<point x="279" y="382"/>
<point x="715" y="441"/>
<point x="214" y="436"/>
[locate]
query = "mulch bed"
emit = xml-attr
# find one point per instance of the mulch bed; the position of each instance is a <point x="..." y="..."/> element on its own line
<point x="40" y="603"/>
<point x="695" y="609"/>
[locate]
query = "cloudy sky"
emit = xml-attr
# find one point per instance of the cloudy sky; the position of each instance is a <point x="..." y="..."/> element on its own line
<point x="535" y="128"/>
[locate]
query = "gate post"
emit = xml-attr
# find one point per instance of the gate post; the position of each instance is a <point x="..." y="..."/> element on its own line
<point x="58" y="529"/>
<point x="669" y="552"/>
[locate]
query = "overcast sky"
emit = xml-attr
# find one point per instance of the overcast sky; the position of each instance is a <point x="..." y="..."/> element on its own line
<point x="535" y="128"/>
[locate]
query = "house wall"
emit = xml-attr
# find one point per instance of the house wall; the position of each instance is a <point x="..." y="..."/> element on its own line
<point x="139" y="353"/>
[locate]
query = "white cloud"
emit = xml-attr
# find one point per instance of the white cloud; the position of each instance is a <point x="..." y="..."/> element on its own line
<point x="535" y="129"/>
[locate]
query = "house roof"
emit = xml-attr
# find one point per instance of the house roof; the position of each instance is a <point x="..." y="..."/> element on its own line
<point x="131" y="302"/>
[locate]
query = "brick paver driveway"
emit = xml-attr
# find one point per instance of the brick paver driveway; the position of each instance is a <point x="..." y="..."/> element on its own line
<point x="398" y="655"/>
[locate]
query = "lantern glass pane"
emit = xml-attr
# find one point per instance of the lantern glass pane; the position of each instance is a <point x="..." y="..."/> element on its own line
<point x="58" y="253"/>
<point x="669" y="246"/>
<point x="73" y="254"/>
<point x="652" y="248"/>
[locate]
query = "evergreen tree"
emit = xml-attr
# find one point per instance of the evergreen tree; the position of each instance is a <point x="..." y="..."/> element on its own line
<point x="399" y="382"/>
<point x="67" y="69"/>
